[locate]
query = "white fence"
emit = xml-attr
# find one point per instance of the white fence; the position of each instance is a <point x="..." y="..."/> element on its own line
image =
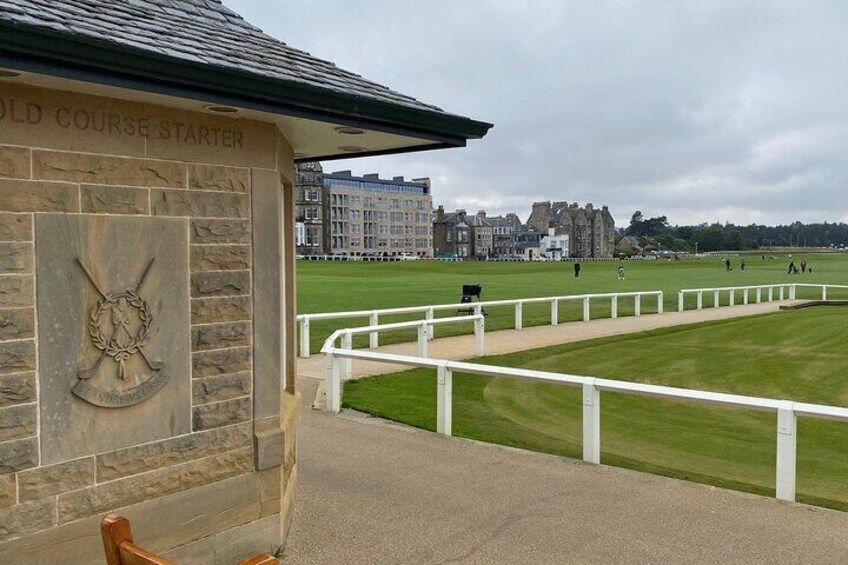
<point x="767" y="292"/>
<point x="373" y="316"/>
<point x="425" y="328"/>
<point x="787" y="411"/>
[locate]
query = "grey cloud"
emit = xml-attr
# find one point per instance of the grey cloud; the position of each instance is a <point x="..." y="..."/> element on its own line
<point x="729" y="111"/>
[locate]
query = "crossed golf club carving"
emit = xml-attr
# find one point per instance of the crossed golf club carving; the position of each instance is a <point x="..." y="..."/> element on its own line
<point x="122" y="343"/>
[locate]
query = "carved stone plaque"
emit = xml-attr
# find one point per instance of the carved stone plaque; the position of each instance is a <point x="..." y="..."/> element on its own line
<point x="114" y="333"/>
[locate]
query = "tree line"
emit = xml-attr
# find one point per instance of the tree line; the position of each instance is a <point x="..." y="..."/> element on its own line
<point x="656" y="233"/>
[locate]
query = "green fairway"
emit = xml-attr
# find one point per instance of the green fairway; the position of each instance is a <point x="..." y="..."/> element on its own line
<point x="342" y="286"/>
<point x="796" y="355"/>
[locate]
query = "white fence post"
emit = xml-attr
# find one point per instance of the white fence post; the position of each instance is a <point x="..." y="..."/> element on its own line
<point x="304" y="337"/>
<point x="732" y="294"/>
<point x="374" y="337"/>
<point x="332" y="383"/>
<point x="422" y="340"/>
<point x="431" y="330"/>
<point x="637" y="305"/>
<point x="519" y="324"/>
<point x="680" y="301"/>
<point x="586" y="310"/>
<point x="554" y="312"/>
<point x="660" y="302"/>
<point x="591" y="422"/>
<point x="824" y="292"/>
<point x="480" y="336"/>
<point x="792" y="292"/>
<point x="759" y="294"/>
<point x="700" y="304"/>
<point x="770" y="293"/>
<point x="347" y="364"/>
<point x="787" y="435"/>
<point x="781" y="292"/>
<point x="745" y="296"/>
<point x="444" y="386"/>
<point x="717" y="299"/>
<point x="614" y="306"/>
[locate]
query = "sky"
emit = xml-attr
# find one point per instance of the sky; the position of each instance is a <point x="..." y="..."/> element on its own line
<point x="703" y="111"/>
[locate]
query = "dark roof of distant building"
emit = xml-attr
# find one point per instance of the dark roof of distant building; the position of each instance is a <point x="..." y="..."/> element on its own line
<point x="203" y="47"/>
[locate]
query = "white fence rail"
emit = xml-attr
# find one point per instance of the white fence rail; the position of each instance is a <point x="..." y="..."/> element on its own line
<point x="767" y="292"/>
<point x="429" y="311"/>
<point x="425" y="328"/>
<point x="787" y="411"/>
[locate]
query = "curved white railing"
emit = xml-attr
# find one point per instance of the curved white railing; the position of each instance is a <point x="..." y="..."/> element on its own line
<point x="477" y="307"/>
<point x="785" y="291"/>
<point x="787" y="410"/>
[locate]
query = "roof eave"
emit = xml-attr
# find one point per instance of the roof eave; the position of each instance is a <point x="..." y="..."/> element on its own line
<point x="41" y="50"/>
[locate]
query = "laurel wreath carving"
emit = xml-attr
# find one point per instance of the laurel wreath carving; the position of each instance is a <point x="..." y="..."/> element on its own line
<point x="109" y="345"/>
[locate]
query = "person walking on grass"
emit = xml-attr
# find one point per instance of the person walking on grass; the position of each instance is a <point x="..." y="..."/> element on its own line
<point x="742" y="265"/>
<point x="791" y="267"/>
<point x="577" y="269"/>
<point x="803" y="265"/>
<point x="620" y="272"/>
<point x="727" y="266"/>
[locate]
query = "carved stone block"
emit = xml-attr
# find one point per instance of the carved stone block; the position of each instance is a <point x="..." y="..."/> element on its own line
<point x="209" y="177"/>
<point x="97" y="169"/>
<point x="220" y="414"/>
<point x="223" y="387"/>
<point x="198" y="204"/>
<point x="17" y="324"/>
<point x="18" y="388"/>
<point x="97" y="199"/>
<point x="220" y="257"/>
<point x="17" y="422"/>
<point x="18" y="455"/>
<point x="220" y="231"/>
<point x="14" y="162"/>
<point x="30" y="196"/>
<point x="225" y="309"/>
<point x="42" y="482"/>
<point x="113" y="306"/>
<point x="15" y="227"/>
<point x="15" y="257"/>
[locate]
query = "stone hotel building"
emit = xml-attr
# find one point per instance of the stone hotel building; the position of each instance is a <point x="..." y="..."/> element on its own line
<point x="364" y="215"/>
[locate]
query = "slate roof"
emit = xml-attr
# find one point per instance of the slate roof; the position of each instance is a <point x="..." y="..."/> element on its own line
<point x="201" y="32"/>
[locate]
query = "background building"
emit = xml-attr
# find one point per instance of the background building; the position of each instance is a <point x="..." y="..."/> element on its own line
<point x="372" y="216"/>
<point x="309" y="209"/>
<point x="591" y="231"/>
<point x="451" y="234"/>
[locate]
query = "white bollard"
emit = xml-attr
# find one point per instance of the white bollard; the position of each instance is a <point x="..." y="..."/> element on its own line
<point x="422" y="340"/>
<point x="431" y="329"/>
<point x="637" y="305"/>
<point x="518" y="314"/>
<point x="480" y="336"/>
<point x="614" y="306"/>
<point x="444" y="386"/>
<point x="304" y="338"/>
<point x="586" y="311"/>
<point x="554" y="312"/>
<point x="332" y="383"/>
<point x="591" y="423"/>
<point x="700" y="303"/>
<point x="347" y="364"/>
<point x="374" y="337"/>
<point x="787" y="434"/>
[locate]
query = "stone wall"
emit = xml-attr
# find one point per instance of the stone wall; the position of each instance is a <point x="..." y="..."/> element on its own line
<point x="86" y="186"/>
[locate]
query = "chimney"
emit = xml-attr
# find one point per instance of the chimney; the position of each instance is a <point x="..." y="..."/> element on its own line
<point x="481" y="213"/>
<point x="440" y="214"/>
<point x="371" y="176"/>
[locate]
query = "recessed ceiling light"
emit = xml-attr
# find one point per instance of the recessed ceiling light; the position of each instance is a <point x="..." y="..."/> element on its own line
<point x="222" y="109"/>
<point x="351" y="148"/>
<point x="347" y="130"/>
<point x="9" y="74"/>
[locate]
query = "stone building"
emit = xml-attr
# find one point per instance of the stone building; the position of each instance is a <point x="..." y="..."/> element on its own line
<point x="451" y="234"/>
<point x="591" y="231"/>
<point x="482" y="236"/>
<point x="372" y="216"/>
<point x="147" y="284"/>
<point x="309" y="209"/>
<point x="503" y="233"/>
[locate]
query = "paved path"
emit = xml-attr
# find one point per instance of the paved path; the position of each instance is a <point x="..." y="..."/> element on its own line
<point x="375" y="492"/>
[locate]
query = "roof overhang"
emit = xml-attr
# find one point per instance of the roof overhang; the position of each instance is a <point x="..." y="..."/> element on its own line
<point x="310" y="117"/>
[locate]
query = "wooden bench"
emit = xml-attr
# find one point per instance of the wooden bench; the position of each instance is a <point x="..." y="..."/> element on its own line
<point x="121" y="549"/>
